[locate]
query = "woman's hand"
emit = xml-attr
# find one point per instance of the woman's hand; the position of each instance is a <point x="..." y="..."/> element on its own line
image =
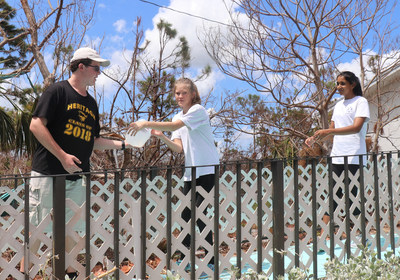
<point x="157" y="133"/>
<point x="310" y="141"/>
<point x="318" y="135"/>
<point x="135" y="127"/>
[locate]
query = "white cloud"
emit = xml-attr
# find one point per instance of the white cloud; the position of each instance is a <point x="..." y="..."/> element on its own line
<point x="191" y="28"/>
<point x="4" y="103"/>
<point x="119" y="65"/>
<point x="354" y="65"/>
<point x="120" y="26"/>
<point x="210" y="84"/>
<point x="92" y="42"/>
<point x="187" y="26"/>
<point x="9" y="101"/>
<point x="116" y="39"/>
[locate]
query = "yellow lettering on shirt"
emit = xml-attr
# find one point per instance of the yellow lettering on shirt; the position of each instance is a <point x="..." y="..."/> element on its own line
<point x="84" y="111"/>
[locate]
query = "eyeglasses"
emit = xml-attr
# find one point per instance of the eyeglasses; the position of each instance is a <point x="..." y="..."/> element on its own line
<point x="95" y="67"/>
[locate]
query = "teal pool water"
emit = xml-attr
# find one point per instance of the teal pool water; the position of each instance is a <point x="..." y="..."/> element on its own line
<point x="322" y="258"/>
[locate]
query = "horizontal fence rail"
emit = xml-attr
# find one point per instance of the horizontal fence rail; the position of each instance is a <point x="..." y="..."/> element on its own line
<point x="268" y="216"/>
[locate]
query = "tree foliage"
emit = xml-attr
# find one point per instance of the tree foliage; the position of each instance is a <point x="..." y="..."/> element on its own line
<point x="267" y="125"/>
<point x="13" y="48"/>
<point x="147" y="84"/>
<point x="290" y="52"/>
<point x="39" y="27"/>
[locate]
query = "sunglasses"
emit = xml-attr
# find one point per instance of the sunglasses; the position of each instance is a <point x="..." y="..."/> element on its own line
<point x="95" y="67"/>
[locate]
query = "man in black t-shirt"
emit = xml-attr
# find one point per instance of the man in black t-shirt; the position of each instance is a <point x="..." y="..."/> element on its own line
<point x="66" y="125"/>
<point x="66" y="120"/>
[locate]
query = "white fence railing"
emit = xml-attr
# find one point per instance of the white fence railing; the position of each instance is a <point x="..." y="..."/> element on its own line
<point x="269" y="218"/>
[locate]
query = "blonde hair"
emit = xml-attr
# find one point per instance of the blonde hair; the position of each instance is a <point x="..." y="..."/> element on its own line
<point x="192" y="88"/>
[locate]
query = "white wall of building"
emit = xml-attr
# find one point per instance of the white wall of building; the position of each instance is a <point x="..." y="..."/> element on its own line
<point x="389" y="88"/>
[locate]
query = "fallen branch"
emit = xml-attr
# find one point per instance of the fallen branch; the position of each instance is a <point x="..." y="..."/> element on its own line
<point x="104" y="274"/>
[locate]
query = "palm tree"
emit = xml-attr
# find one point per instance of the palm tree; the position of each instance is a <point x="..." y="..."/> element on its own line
<point x="7" y="132"/>
<point x="14" y="125"/>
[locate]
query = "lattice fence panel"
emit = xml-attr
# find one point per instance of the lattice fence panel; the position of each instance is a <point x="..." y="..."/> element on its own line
<point x="384" y="204"/>
<point x="289" y="214"/>
<point x="249" y="219"/>
<point x="228" y="212"/>
<point x="370" y="214"/>
<point x="11" y="231"/>
<point x="305" y="214"/>
<point x="267" y="221"/>
<point x="156" y="206"/>
<point x="103" y="220"/>
<point x="130" y="220"/>
<point x="101" y="225"/>
<point x="180" y="228"/>
<point x="396" y="199"/>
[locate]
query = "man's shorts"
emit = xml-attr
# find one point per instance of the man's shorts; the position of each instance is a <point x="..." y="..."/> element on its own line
<point x="41" y="199"/>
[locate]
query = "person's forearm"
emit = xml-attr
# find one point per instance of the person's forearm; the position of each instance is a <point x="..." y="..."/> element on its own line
<point x="344" y="130"/>
<point x="42" y="134"/>
<point x="351" y="129"/>
<point x="171" y="144"/>
<point x="163" y="126"/>
<point x="106" y="144"/>
<point x="332" y="130"/>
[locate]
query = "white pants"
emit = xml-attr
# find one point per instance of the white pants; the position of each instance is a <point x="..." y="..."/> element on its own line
<point x="41" y="199"/>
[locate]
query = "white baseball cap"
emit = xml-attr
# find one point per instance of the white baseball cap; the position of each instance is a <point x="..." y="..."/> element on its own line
<point x="84" y="53"/>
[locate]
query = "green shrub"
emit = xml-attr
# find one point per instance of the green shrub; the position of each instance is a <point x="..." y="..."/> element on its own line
<point x="367" y="266"/>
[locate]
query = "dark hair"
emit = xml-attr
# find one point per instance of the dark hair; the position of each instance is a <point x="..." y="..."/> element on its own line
<point x="74" y="64"/>
<point x="192" y="88"/>
<point x="352" y="79"/>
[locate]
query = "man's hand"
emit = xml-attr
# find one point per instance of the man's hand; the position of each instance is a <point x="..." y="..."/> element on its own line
<point x="69" y="163"/>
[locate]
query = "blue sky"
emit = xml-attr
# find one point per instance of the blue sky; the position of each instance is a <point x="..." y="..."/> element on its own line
<point x="117" y="25"/>
<point x="114" y="20"/>
<point x="114" y="23"/>
<point x="112" y="33"/>
<point x="117" y="21"/>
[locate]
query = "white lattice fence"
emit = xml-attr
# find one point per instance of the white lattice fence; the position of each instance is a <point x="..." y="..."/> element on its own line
<point x="11" y="232"/>
<point x="131" y="220"/>
<point x="396" y="194"/>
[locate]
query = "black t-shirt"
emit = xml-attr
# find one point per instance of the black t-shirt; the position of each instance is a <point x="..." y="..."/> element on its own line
<point x="73" y="121"/>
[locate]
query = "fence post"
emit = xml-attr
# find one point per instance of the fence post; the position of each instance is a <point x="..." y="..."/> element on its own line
<point x="26" y="231"/>
<point x="143" y="226"/>
<point x="87" y="224"/>
<point x="314" y="217"/>
<point x="116" y="222"/>
<point x="259" y="216"/>
<point x="239" y="219"/>
<point x="59" y="227"/>
<point x="193" y="223"/>
<point x="169" y="216"/>
<point x="296" y="213"/>
<point x="278" y="218"/>
<point x="363" y="201"/>
<point x="391" y="207"/>
<point x="216" y="221"/>
<point x="377" y="208"/>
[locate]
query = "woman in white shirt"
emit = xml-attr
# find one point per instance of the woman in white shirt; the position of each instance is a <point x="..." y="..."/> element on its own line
<point x="349" y="127"/>
<point x="192" y="135"/>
